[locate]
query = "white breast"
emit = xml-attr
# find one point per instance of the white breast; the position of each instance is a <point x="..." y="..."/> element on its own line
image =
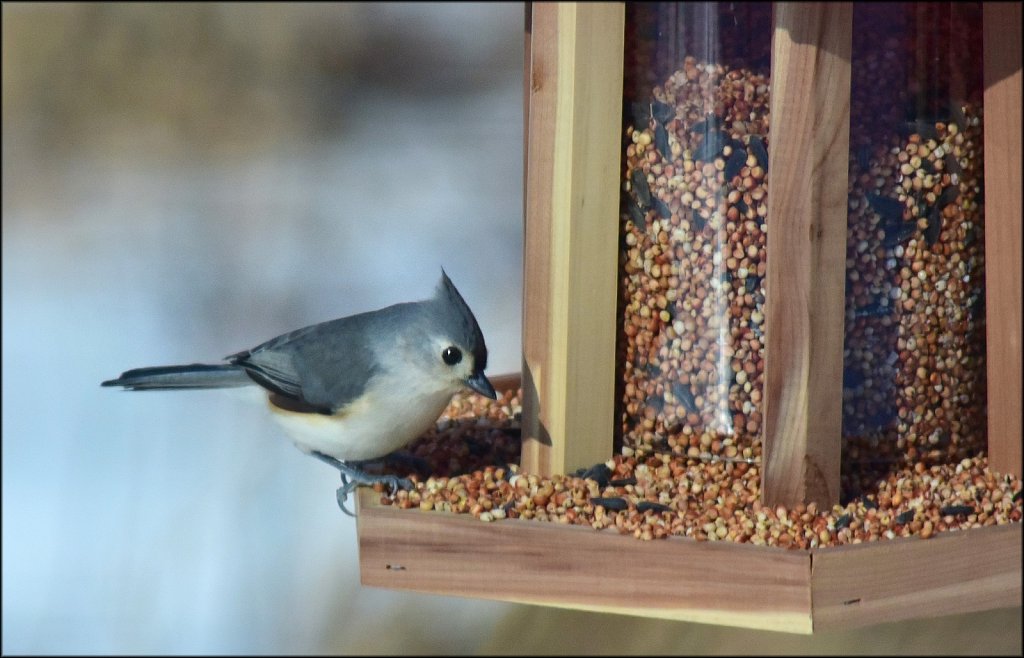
<point x="381" y="422"/>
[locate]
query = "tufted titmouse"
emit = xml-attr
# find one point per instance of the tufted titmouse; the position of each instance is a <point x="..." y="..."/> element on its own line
<point x="357" y="388"/>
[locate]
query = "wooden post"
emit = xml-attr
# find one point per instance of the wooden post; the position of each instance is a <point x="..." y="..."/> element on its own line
<point x="527" y="58"/>
<point x="1002" y="102"/>
<point x="570" y="247"/>
<point x="808" y="161"/>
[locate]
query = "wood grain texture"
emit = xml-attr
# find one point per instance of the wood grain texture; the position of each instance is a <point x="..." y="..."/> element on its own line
<point x="709" y="582"/>
<point x="575" y="567"/>
<point x="810" y="123"/>
<point x="571" y="222"/>
<point x="886" y="581"/>
<point x="1002" y="44"/>
<point x="537" y="249"/>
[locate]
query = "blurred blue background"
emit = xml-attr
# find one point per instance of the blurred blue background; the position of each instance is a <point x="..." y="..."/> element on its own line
<point x="185" y="181"/>
<point x="182" y="182"/>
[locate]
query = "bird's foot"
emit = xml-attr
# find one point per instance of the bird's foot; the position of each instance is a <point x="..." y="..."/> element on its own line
<point x="352" y="477"/>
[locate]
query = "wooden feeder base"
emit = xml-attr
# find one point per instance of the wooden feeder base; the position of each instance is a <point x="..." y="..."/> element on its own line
<point x="712" y="582"/>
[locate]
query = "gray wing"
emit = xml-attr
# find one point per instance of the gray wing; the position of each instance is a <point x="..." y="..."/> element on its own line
<point x="322" y="367"/>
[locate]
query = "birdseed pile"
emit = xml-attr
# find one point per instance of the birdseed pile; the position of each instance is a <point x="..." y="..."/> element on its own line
<point x="473" y="454"/>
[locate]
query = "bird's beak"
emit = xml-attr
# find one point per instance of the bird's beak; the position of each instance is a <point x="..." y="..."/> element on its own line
<point x="478" y="382"/>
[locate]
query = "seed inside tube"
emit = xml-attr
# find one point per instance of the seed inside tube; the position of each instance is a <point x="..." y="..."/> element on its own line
<point x="689" y="312"/>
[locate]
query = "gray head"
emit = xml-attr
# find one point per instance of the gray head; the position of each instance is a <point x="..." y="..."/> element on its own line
<point x="457" y="342"/>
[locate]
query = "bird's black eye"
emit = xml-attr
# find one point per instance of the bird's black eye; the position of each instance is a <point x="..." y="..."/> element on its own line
<point x="451" y="355"/>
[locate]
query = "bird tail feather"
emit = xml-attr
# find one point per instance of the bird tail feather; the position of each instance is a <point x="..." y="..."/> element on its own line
<point x="192" y="376"/>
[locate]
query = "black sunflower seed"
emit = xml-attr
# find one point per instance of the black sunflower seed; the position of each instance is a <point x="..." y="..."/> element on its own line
<point x="948" y="196"/>
<point x="640" y="188"/>
<point x="760" y="152"/>
<point x="711" y="146"/>
<point x="888" y="209"/>
<point x="952" y="164"/>
<point x="683" y="394"/>
<point x="599" y="473"/>
<point x="661" y="141"/>
<point x="737" y="160"/>
<point x="931" y="232"/>
<point x="638" y="216"/>
<point x="905" y="517"/>
<point x="662" y="112"/>
<point x="661" y="208"/>
<point x="641" y="114"/>
<point x="898" y="233"/>
<point x="697" y="222"/>
<point x="613" y="504"/>
<point x="645" y="505"/>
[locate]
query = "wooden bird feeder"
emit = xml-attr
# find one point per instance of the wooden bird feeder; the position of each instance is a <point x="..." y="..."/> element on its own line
<point x="588" y="99"/>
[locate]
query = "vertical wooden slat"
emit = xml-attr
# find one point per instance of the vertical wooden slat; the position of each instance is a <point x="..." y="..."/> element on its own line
<point x="570" y="257"/>
<point x="527" y="42"/>
<point x="541" y="81"/>
<point x="808" y="154"/>
<point x="1002" y="46"/>
<point x="541" y="84"/>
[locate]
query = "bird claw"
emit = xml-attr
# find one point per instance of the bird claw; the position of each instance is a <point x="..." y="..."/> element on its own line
<point x="343" y="491"/>
<point x="352" y="477"/>
<point x="395" y="483"/>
